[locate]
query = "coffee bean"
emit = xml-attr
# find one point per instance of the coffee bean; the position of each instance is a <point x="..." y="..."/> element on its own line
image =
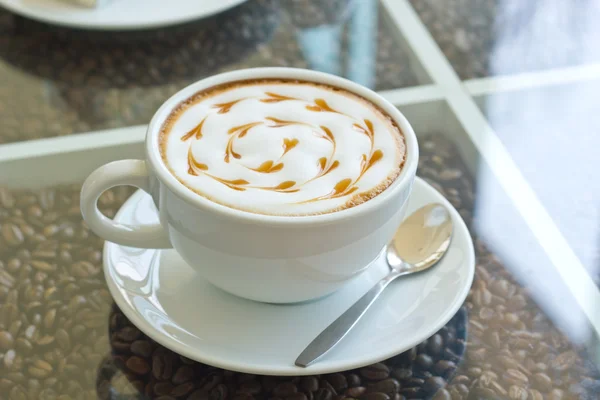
<point x="23" y="345"/>
<point x="50" y="230"/>
<point x="49" y="318"/>
<point x="138" y="365"/>
<point x="353" y="380"/>
<point x="83" y="269"/>
<point x="63" y="340"/>
<point x="141" y="348"/>
<point x="444" y="368"/>
<point x="9" y="311"/>
<point x="424" y="361"/>
<point x="508" y="362"/>
<point x="411" y="392"/>
<point x="542" y="382"/>
<point x="433" y="384"/>
<point x="7" y="200"/>
<point x="389" y="386"/>
<point x="517" y="393"/>
<point x="435" y="345"/>
<point x="285" y="389"/>
<point x="182" y="389"/>
<point x="355" y="392"/>
<point x="478" y="355"/>
<point x="564" y="361"/>
<point x="482" y="394"/>
<point x="251" y="387"/>
<point x="6" y="340"/>
<point x="323" y="394"/>
<point x="5" y="385"/>
<point x="410" y="355"/>
<point x="34" y="212"/>
<point x="9" y="358"/>
<point x="48" y="394"/>
<point x="486" y="313"/>
<point x="6" y="279"/>
<point x="309" y="384"/>
<point x="78" y="332"/>
<point x="375" y="396"/>
<point x="76" y="303"/>
<point x="211" y="382"/>
<point x="326" y="385"/>
<point x="40" y="369"/>
<point x="45" y="340"/>
<point x="402" y="373"/>
<point x="128" y="334"/>
<point x="556" y="394"/>
<point x="534" y="395"/>
<point x="18" y="393"/>
<point x="42" y="266"/>
<point x="242" y="396"/>
<point x="413" y="382"/>
<point x="375" y="371"/>
<point x="297" y="396"/>
<point x="183" y="374"/>
<point x="12" y="235"/>
<point x="516" y="302"/>
<point x="442" y="394"/>
<point x="337" y="381"/>
<point x="47" y="199"/>
<point x="515" y="377"/>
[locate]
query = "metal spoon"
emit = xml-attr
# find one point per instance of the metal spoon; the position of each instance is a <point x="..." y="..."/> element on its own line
<point x="419" y="243"/>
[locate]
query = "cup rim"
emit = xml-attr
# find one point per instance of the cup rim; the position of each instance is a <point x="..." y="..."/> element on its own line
<point x="163" y="174"/>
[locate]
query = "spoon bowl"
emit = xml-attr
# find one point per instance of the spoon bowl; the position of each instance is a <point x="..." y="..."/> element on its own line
<point x="421" y="240"/>
<point x="418" y="244"/>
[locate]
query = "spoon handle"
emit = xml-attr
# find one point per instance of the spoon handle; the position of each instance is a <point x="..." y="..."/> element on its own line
<point x="341" y="326"/>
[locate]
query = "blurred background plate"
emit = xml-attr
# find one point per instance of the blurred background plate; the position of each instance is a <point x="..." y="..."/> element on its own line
<point x="118" y="14"/>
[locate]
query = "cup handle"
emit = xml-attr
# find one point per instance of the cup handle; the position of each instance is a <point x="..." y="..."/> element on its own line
<point x="117" y="173"/>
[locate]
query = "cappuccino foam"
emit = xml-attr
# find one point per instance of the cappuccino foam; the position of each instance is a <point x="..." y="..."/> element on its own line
<point x="281" y="147"/>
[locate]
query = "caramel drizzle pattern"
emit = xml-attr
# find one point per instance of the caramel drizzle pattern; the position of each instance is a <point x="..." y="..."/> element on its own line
<point x="348" y="186"/>
<point x="235" y="133"/>
<point x="276" y="98"/>
<point x="342" y="188"/>
<point x="196" y="131"/>
<point x="320" y="105"/>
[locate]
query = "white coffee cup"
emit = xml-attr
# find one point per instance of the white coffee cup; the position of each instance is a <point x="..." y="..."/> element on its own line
<point x="278" y="259"/>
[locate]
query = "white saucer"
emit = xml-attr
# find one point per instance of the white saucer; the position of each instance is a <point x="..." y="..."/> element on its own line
<point x="118" y="14"/>
<point x="176" y="307"/>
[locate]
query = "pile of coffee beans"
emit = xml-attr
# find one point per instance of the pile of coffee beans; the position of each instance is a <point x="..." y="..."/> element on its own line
<point x="54" y="303"/>
<point x="513" y="350"/>
<point x="155" y="371"/>
<point x="61" y="337"/>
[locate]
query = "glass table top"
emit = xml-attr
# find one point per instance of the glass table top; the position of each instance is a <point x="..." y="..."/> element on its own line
<point x="525" y="332"/>
<point x="484" y="38"/>
<point x="58" y="81"/>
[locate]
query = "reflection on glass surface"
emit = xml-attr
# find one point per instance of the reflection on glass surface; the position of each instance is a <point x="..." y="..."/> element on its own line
<point x="550" y="133"/>
<point x="58" y="81"/>
<point x="483" y="38"/>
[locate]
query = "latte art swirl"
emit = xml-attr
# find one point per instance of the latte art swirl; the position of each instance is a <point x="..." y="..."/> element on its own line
<point x="282" y="148"/>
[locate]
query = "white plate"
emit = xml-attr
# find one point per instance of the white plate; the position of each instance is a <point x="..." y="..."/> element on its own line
<point x="176" y="307"/>
<point x="118" y="14"/>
